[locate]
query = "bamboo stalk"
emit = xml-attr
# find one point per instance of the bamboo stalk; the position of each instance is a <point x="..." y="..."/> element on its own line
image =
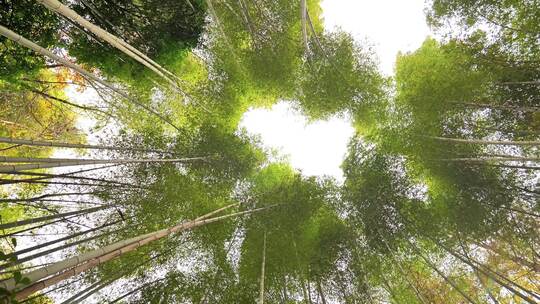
<point x="303" y="21"/>
<point x="83" y="162"/>
<point x="487" y="142"/>
<point x="49" y="217"/>
<point x="42" y="51"/>
<point x="263" y="266"/>
<point x="490" y="159"/>
<point x="32" y="248"/>
<point x="116" y="42"/>
<point x="73" y="266"/>
<point x="29" y="142"/>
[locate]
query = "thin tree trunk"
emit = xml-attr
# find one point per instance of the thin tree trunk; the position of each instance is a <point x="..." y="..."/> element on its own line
<point x="42" y="294"/>
<point x="317" y="41"/>
<point x="446" y="279"/>
<point x="57" y="248"/>
<point x="214" y="16"/>
<point x="64" y="176"/>
<point x="80" y="296"/>
<point x="309" y="290"/>
<point x="29" y="142"/>
<point x="494" y="106"/>
<point x="135" y="290"/>
<point x="164" y="252"/>
<point x="400" y="268"/>
<point x="50" y="217"/>
<point x="389" y="289"/>
<point x="98" y="15"/>
<point x="263" y="266"/>
<point x="72" y="266"/>
<point x="42" y="245"/>
<point x="88" y="291"/>
<point x="303" y="18"/>
<point x="118" y="43"/>
<point x="477" y="273"/>
<point x="2" y="182"/>
<point x="37" y="198"/>
<point x="302" y="282"/>
<point x="512" y="166"/>
<point x="245" y="15"/>
<point x="521" y="211"/>
<point x="489" y="273"/>
<point x="7" y="159"/>
<point x="486" y="142"/>
<point x="518" y="260"/>
<point x="321" y="293"/>
<point x="34" y="227"/>
<point x="486" y="288"/>
<point x="82" y="162"/>
<point x="71" y="103"/>
<point x="285" y="294"/>
<point x="490" y="159"/>
<point x="38" y="49"/>
<point x="304" y="290"/>
<point x="520" y="82"/>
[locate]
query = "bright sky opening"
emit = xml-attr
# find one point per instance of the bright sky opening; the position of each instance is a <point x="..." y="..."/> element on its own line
<point x="318" y="148"/>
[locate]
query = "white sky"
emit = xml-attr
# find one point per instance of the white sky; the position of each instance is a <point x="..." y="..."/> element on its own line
<point x="390" y="25"/>
<point x="318" y="148"/>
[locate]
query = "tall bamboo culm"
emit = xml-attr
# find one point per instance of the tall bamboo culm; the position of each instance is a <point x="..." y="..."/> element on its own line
<point x="118" y="43"/>
<point x="76" y="162"/>
<point x="67" y="268"/>
<point x="42" y="143"/>
<point x="38" y="49"/>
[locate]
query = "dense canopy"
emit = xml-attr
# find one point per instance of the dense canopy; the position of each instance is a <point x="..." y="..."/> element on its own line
<point x="126" y="177"/>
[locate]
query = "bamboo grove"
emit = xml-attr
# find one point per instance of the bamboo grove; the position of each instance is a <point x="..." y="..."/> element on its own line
<point x="125" y="177"/>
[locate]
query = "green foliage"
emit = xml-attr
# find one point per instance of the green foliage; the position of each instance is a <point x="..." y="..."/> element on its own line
<point x="178" y="23"/>
<point x="378" y="237"/>
<point x="339" y="76"/>
<point x="32" y="21"/>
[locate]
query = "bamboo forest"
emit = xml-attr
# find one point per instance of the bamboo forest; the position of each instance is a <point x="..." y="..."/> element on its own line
<point x="127" y="175"/>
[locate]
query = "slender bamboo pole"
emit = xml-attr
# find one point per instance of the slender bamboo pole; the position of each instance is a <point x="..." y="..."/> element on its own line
<point x="104" y="183"/>
<point x="58" y="248"/>
<point x="102" y="255"/>
<point x="83" y="294"/>
<point x="490" y="159"/>
<point x="118" y="43"/>
<point x="303" y="21"/>
<point x="43" y="143"/>
<point x="403" y="273"/>
<point x="516" y="259"/>
<point x="83" y="162"/>
<point x="34" y="227"/>
<point x="446" y="279"/>
<point x="73" y="261"/>
<point x="68" y="175"/>
<point x="486" y="142"/>
<point x="477" y="273"/>
<point x="492" y="275"/>
<point x="263" y="266"/>
<point x="42" y="245"/>
<point x="38" y="49"/>
<point x="40" y="197"/>
<point x="135" y="290"/>
<point x="50" y="217"/>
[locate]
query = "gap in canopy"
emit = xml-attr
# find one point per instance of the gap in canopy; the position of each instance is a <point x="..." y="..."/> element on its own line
<point x="316" y="148"/>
